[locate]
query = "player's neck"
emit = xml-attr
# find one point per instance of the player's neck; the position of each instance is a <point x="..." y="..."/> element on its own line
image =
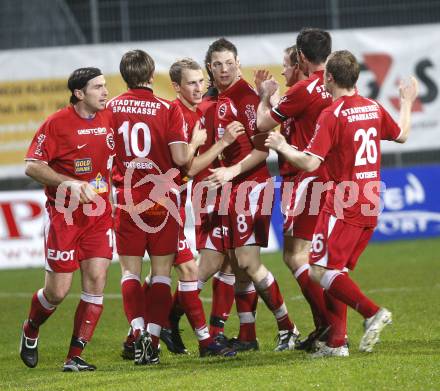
<point x="312" y="68"/>
<point x="186" y="103"/>
<point x="221" y="89"/>
<point x="84" y="111"/>
<point x="145" y="85"/>
<point x="339" y="92"/>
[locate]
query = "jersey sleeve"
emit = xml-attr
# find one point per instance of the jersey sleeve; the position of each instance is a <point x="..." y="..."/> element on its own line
<point x="389" y="130"/>
<point x="322" y="140"/>
<point x="43" y="145"/>
<point x="247" y="115"/>
<point x="292" y="104"/>
<point x="176" y="132"/>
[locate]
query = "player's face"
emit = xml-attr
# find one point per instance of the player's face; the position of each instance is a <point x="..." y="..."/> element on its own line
<point x="225" y="69"/>
<point x="95" y="94"/>
<point x="328" y="82"/>
<point x="290" y="72"/>
<point x="192" y="85"/>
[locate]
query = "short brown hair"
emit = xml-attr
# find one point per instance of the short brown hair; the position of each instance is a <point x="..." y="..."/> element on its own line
<point x="136" y="67"/>
<point x="178" y="67"/>
<point x="220" y="45"/>
<point x="292" y="53"/>
<point x="344" y="68"/>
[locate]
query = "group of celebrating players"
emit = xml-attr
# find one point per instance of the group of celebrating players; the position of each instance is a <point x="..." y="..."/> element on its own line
<point x="147" y="148"/>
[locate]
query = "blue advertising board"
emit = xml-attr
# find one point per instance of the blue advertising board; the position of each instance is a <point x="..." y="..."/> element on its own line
<point x="411" y="205"/>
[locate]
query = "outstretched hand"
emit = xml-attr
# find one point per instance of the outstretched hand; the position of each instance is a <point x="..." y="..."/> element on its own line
<point x="409" y="89"/>
<point x="260" y="75"/>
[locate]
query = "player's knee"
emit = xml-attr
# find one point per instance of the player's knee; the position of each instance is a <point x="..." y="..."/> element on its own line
<point x="94" y="283"/>
<point x="293" y="261"/>
<point x="56" y="296"/>
<point x="316" y="273"/>
<point x="188" y="271"/>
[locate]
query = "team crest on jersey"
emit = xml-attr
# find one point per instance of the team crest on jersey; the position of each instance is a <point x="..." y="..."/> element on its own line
<point x="222" y="110"/>
<point x="83" y="166"/>
<point x="99" y="184"/>
<point x="110" y="141"/>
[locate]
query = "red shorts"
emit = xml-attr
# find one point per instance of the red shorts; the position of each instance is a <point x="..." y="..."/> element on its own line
<point x="209" y="230"/>
<point x="299" y="206"/>
<point x="184" y="253"/>
<point x="337" y="244"/>
<point x="67" y="245"/>
<point x="155" y="230"/>
<point x="249" y="213"/>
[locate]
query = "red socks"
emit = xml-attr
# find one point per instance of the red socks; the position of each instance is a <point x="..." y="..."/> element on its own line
<point x="270" y="293"/>
<point x="40" y="310"/>
<point x="188" y="297"/>
<point x="246" y="299"/>
<point x="343" y="288"/>
<point x="160" y="306"/>
<point x="337" y="316"/>
<point x="87" y="316"/>
<point x="222" y="300"/>
<point x="132" y="298"/>
<point x="314" y="295"/>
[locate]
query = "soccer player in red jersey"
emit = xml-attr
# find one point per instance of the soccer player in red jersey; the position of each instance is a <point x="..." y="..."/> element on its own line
<point x="214" y="260"/>
<point x="347" y="138"/>
<point x="301" y="198"/>
<point x="150" y="143"/>
<point x="71" y="156"/>
<point x="188" y="81"/>
<point x="246" y="220"/>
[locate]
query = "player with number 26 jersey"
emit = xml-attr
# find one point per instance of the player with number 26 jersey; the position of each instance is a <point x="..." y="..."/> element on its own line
<point x="348" y="135"/>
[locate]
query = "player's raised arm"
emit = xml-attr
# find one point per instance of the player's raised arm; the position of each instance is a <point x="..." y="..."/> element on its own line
<point x="408" y="94"/>
<point x="265" y="121"/>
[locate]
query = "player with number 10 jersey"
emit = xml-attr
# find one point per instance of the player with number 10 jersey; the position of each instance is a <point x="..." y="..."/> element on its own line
<point x="145" y="127"/>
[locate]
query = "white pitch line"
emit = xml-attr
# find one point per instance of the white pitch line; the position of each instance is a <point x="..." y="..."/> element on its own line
<point x="118" y="296"/>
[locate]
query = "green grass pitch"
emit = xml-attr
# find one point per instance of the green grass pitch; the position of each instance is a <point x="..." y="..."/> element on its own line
<point x="403" y="276"/>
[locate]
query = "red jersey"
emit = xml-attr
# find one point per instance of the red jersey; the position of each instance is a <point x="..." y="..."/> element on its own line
<point x="304" y="101"/>
<point x="145" y="126"/>
<point x="239" y="103"/>
<point x="190" y="117"/>
<point x="347" y="136"/>
<point x="288" y="131"/>
<point x="208" y="111"/>
<point x="79" y="148"/>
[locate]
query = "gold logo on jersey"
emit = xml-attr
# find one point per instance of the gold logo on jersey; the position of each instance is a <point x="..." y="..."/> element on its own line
<point x="83" y="166"/>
